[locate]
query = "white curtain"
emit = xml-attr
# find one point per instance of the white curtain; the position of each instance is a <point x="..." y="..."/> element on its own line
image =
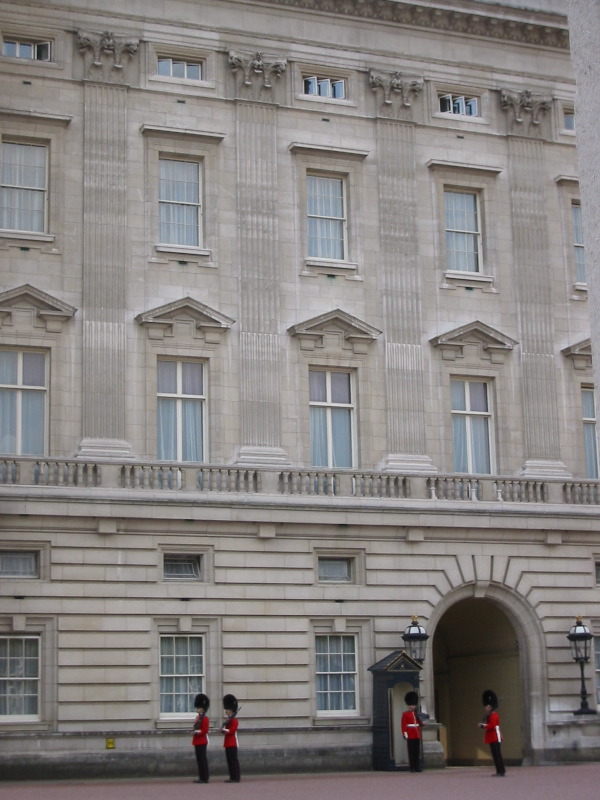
<point x="325" y="217"/>
<point x="23" y="187"/>
<point x="179" y="202"/>
<point x="167" y="429"/>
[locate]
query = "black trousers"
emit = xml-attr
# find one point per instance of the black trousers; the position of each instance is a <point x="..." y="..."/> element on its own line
<point x="233" y="765"/>
<point x="497" y="756"/>
<point x="414" y="754"/>
<point x="202" y="762"/>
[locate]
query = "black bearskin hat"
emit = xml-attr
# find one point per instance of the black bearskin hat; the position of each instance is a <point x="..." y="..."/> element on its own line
<point x="488" y="698"/>
<point x="411" y="699"/>
<point x="230" y="703"/>
<point x="201" y="701"/>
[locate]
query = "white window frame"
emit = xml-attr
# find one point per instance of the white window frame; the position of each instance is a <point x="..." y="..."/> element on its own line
<point x="196" y="205"/>
<point x="17" y="674"/>
<point x="352" y="675"/>
<point x="196" y="680"/>
<point x="578" y="243"/>
<point x="19" y="388"/>
<point x="339" y="221"/>
<point x="329" y="407"/>
<point x="187" y="63"/>
<point x="590" y="447"/>
<point x="28" y="190"/>
<point x="324" y="87"/>
<point x="459" y="105"/>
<point x="179" y="397"/>
<point x="470" y="415"/>
<point x="20" y="42"/>
<point x="472" y="234"/>
<point x="19" y="564"/>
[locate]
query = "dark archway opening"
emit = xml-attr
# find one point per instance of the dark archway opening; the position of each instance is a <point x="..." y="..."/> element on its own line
<point x="475" y="648"/>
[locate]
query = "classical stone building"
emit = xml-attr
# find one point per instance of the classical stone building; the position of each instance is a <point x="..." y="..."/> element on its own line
<point x="294" y="345"/>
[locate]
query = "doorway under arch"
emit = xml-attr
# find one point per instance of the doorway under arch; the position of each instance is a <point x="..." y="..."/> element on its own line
<point x="475" y="647"/>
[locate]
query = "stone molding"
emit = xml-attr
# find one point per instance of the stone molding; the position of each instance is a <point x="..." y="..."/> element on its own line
<point x="208" y="323"/>
<point x="580" y="354"/>
<point x="251" y="66"/>
<point x="356" y="334"/>
<point x="464" y="18"/>
<point x="48" y="311"/>
<point x="494" y="345"/>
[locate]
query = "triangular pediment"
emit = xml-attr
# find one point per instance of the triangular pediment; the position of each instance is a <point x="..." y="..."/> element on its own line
<point x="185" y="314"/>
<point x="25" y="305"/>
<point x="398" y="661"/>
<point x="580" y="354"/>
<point x="489" y="343"/>
<point x="351" y="333"/>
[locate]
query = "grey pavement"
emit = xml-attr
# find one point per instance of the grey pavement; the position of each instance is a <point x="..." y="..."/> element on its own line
<point x="575" y="781"/>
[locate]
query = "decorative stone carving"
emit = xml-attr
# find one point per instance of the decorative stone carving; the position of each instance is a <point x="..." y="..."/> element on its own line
<point x="395" y="84"/>
<point x="108" y="52"/>
<point x="256" y="65"/>
<point x="351" y="332"/>
<point x="205" y="322"/>
<point x="491" y="344"/>
<point x="41" y="310"/>
<point x="525" y="102"/>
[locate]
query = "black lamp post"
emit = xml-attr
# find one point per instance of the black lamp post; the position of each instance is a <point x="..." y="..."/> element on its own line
<point x="415" y="638"/>
<point x="580" y="638"/>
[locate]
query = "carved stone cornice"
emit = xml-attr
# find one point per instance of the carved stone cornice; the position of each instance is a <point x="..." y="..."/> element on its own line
<point x="465" y="17"/>
<point x="109" y="53"/>
<point x="252" y="65"/>
<point x="525" y="102"/>
<point x="395" y="84"/>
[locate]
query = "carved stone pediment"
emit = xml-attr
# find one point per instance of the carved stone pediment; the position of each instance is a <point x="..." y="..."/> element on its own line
<point x="27" y="307"/>
<point x="185" y="316"/>
<point x="580" y="354"/>
<point x="486" y="342"/>
<point x="334" y="329"/>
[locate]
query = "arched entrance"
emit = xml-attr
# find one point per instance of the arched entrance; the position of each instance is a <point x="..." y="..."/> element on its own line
<point x="475" y="647"/>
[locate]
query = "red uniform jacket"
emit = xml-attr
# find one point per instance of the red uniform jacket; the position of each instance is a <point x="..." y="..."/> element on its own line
<point x="411" y="725"/>
<point x="492" y="729"/>
<point x="201" y="731"/>
<point x="231" y="739"/>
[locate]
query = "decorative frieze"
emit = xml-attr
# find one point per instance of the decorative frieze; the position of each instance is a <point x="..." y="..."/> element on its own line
<point x="524" y="103"/>
<point x="251" y="66"/>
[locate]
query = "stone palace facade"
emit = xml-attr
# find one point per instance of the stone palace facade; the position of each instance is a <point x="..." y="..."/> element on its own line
<point x="294" y="345"/>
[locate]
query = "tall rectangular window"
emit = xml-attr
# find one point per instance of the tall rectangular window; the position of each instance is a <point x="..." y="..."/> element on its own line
<point x="20" y="677"/>
<point x="23" y="187"/>
<point x="597" y="666"/>
<point x="471" y="426"/>
<point x="326" y="217"/>
<point x="179" y="205"/>
<point x="336" y="674"/>
<point x="181" y="672"/>
<point x="23" y="400"/>
<point x="589" y="433"/>
<point x="578" y="246"/>
<point x="463" y="233"/>
<point x="180" y="410"/>
<point x="331" y="414"/>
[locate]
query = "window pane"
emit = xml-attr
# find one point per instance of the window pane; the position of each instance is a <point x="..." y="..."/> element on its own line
<point x="459" y="439"/>
<point x="340" y="387"/>
<point x="591" y="450"/>
<point x="8" y="421"/>
<point x="318" y="437"/>
<point x="34" y="369"/>
<point x="18" y="564"/>
<point x="167" y="429"/>
<point x="318" y="385"/>
<point x="481" y="445"/>
<point x="33" y="423"/>
<point x="191" y="378"/>
<point x="191" y="430"/>
<point x="164" y="66"/>
<point x="167" y="377"/>
<point x="457" y="392"/>
<point x="8" y="367"/>
<point x="478" y="396"/>
<point x="335" y="569"/>
<point x="587" y="401"/>
<point x="341" y="424"/>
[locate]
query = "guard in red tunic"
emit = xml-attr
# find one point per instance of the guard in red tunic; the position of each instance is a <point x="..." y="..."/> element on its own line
<point x="230" y="742"/>
<point x="200" y="740"/>
<point x="411" y="730"/>
<point x="491" y="727"/>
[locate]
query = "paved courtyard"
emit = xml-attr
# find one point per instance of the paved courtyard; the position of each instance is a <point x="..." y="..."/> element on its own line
<point x="580" y="782"/>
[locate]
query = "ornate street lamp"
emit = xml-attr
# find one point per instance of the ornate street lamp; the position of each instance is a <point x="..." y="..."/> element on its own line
<point x="580" y="638"/>
<point x="415" y="638"/>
